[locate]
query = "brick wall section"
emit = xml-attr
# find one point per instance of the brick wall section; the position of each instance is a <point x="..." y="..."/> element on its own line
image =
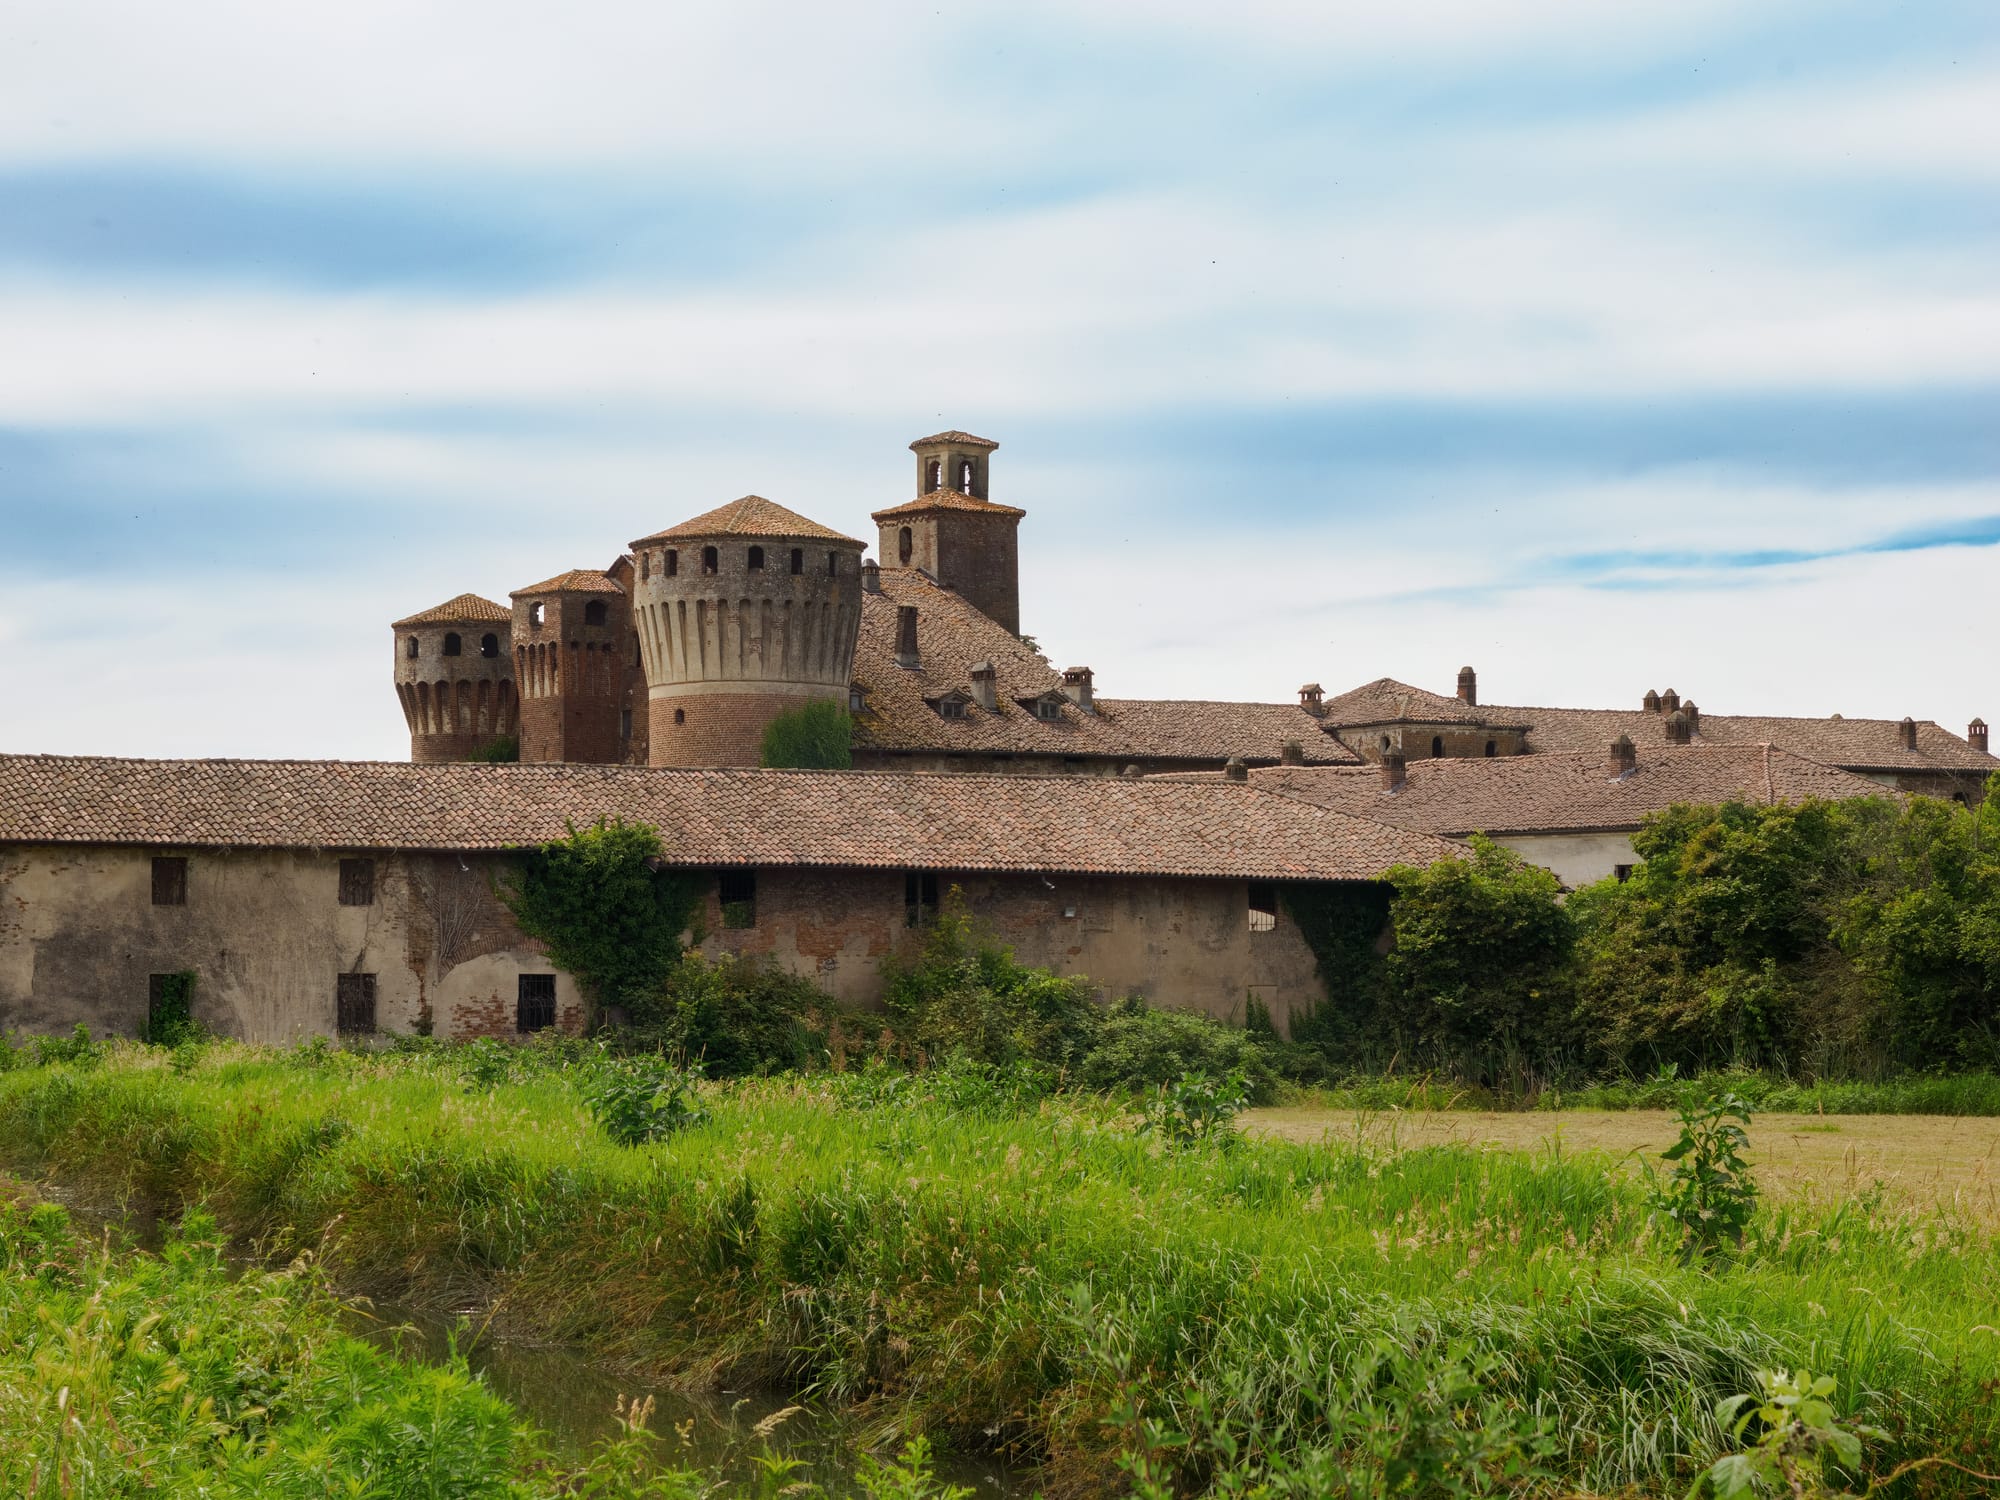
<point x="571" y="675"/>
<point x="716" y="729"/>
<point x="454" y="704"/>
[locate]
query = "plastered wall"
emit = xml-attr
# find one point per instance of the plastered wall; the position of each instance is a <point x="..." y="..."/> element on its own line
<point x="1575" y="858"/>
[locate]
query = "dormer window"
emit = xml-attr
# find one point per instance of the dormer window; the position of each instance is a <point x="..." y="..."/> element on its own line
<point x="1049" y="708"/>
<point x="952" y="706"/>
<point x="857" y="698"/>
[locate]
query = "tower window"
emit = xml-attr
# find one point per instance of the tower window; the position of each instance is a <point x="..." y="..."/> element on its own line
<point x="624" y="723"/>
<point x="1263" y="908"/>
<point x="934" y="476"/>
<point x="672" y="563"/>
<point x="170" y="882"/>
<point x="357" y="882"/>
<point x="489" y="645"/>
<point x="965" y="476"/>
<point x="535" y="1002"/>
<point x="798" y="561"/>
<point x="536" y="614"/>
<point x="596" y="612"/>
<point x="756" y="559"/>
<point x="708" y="560"/>
<point x="1492" y="749"/>
<point x="451" y="643"/>
<point x="736" y="890"/>
<point x="354" y="1004"/>
<point x="920" y="899"/>
<point x="645" y="566"/>
<point x="832" y="564"/>
<point x="680" y="716"/>
<point x="1437" y="747"/>
<point x="905" y="545"/>
<point x="411" y="649"/>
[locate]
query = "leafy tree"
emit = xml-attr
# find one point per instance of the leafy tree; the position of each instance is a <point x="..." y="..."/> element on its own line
<point x="607" y="918"/>
<point x="502" y="749"/>
<point x="815" y="736"/>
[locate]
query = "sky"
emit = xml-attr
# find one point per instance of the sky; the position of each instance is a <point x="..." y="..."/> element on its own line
<point x="1599" y="347"/>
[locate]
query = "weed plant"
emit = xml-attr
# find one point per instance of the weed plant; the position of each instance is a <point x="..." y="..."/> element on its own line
<point x="1043" y="1278"/>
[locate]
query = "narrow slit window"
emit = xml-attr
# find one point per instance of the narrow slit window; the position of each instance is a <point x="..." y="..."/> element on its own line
<point x="624" y="723"/>
<point x="170" y="881"/>
<point x="1492" y="748"/>
<point x="680" y="716"/>
<point x="920" y="899"/>
<point x="737" y="892"/>
<point x="672" y="564"/>
<point x="412" y="649"/>
<point x="354" y="1004"/>
<point x="832" y="564"/>
<point x="1437" y="747"/>
<point x="1263" y="908"/>
<point x="357" y="882"/>
<point x="535" y="1003"/>
<point x="906" y="545"/>
<point x="708" y="560"/>
<point x="798" y="561"/>
<point x="645" y="566"/>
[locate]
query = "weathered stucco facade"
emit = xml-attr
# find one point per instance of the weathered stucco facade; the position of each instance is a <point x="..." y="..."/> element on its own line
<point x="267" y="937"/>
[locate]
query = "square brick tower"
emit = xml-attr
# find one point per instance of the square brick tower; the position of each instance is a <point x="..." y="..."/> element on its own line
<point x="572" y="643"/>
<point x="954" y="532"/>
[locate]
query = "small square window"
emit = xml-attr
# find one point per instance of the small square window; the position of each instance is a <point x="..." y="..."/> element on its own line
<point x="737" y="891"/>
<point x="354" y="1004"/>
<point x="1263" y="908"/>
<point x="920" y="899"/>
<point x="1048" y="708"/>
<point x="535" y="1003"/>
<point x="951" y="708"/>
<point x="170" y="881"/>
<point x="1622" y="873"/>
<point x="357" y="882"/>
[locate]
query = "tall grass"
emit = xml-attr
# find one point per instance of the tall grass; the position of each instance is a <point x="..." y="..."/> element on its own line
<point x="1912" y="1094"/>
<point x="1042" y="1279"/>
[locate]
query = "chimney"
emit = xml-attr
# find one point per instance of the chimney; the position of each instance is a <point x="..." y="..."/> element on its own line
<point x="1677" y="728"/>
<point x="1393" y="771"/>
<point x="1291" y="753"/>
<point x="1652" y="702"/>
<point x="1468" y="687"/>
<point x="1693" y="717"/>
<point x="1669" y="701"/>
<point x="906" y="636"/>
<point x="1076" y="688"/>
<point x="1624" y="758"/>
<point x="984" y="691"/>
<point x="1312" y="700"/>
<point x="1235" y="769"/>
<point x="871" y="577"/>
<point x="1976" y="733"/>
<point x="1906" y="734"/>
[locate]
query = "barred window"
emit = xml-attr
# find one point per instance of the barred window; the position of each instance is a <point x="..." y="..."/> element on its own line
<point x="1263" y="908"/>
<point x="170" y="881"/>
<point x="920" y="899"/>
<point x="737" y="891"/>
<point x="357" y="882"/>
<point x="354" y="1004"/>
<point x="535" y="1005"/>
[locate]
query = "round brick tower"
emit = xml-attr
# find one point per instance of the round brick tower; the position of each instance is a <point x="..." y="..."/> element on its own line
<point x="742" y="613"/>
<point x="455" y="677"/>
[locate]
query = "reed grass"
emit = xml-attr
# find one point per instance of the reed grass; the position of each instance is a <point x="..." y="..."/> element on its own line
<point x="1967" y="1094"/>
<point x="1032" y="1281"/>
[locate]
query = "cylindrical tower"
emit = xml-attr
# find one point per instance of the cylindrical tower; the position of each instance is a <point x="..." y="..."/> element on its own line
<point x="742" y="613"/>
<point x="455" y="677"/>
<point x="572" y="640"/>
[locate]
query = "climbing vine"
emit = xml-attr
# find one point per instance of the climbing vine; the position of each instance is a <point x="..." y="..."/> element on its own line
<point x="1342" y="923"/>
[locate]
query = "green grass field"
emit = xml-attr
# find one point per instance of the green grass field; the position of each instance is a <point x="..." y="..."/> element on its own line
<point x="1051" y="1282"/>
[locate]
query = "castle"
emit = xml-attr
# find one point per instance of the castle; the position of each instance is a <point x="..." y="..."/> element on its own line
<point x="693" y="640"/>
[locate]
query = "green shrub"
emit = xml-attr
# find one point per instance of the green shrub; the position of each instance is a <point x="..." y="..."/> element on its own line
<point x="960" y="991"/>
<point x="606" y="915"/>
<point x="815" y="736"/>
<point x="502" y="749"/>
<point x="640" y="1099"/>
<point x="76" y="1049"/>
<point x="737" y="1015"/>
<point x="1140" y="1048"/>
<point x="170" y="1018"/>
<point x="1195" y="1110"/>
<point x="1709" y="1196"/>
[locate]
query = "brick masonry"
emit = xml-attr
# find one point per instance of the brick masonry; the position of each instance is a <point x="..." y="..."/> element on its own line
<point x="717" y="729"/>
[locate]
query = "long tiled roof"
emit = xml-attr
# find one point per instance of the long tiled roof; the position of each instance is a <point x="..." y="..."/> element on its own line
<point x="947" y="500"/>
<point x="952" y="635"/>
<point x="1067" y="824"/>
<point x="753" y="515"/>
<point x="575" y="581"/>
<point x="1859" y="744"/>
<point x="960" y="439"/>
<point x="1385" y="701"/>
<point x="1566" y="792"/>
<point x="465" y="609"/>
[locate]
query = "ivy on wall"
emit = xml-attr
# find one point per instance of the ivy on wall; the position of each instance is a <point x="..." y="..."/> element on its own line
<point x="1343" y="923"/>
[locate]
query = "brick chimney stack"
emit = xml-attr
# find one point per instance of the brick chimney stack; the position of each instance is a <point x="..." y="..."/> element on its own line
<point x="1394" y="773"/>
<point x="1693" y="717"/>
<point x="906" y="636"/>
<point x="1291" y="753"/>
<point x="871" y="577"/>
<point x="1468" y="687"/>
<point x="1624" y="757"/>
<point x="1677" y="728"/>
<point x="1976" y="733"/>
<point x="1234" y="769"/>
<point x="1312" y="698"/>
<point x="1670" y="701"/>
<point x="1906" y="734"/>
<point x="1652" y="702"/>
<point x="1076" y="686"/>
<point x="985" y="691"/>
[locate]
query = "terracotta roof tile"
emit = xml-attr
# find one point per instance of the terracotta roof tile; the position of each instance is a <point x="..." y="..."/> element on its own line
<point x="753" y="515"/>
<point x="947" y="500"/>
<point x="575" y="581"/>
<point x="1870" y="744"/>
<point x="1069" y="824"/>
<point x="962" y="439"/>
<point x="1566" y="792"/>
<point x="1386" y="700"/>
<point x="952" y="635"/>
<point x="465" y="609"/>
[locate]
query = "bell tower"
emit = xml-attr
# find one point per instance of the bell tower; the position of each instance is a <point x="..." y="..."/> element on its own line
<point x="954" y="531"/>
